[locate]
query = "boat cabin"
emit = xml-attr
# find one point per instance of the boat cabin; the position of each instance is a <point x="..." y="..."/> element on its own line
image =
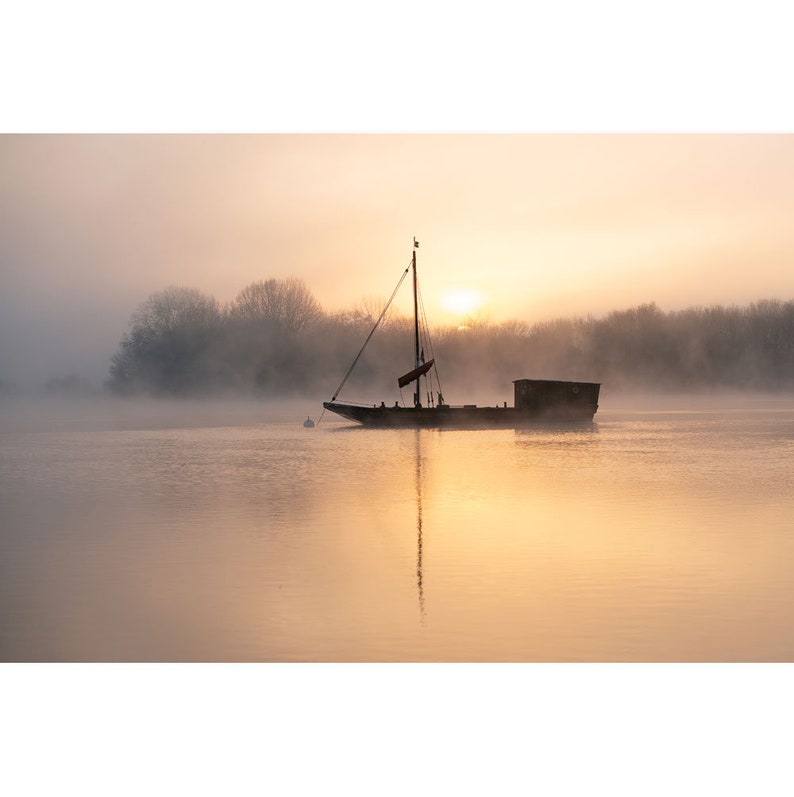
<point x="537" y="394"/>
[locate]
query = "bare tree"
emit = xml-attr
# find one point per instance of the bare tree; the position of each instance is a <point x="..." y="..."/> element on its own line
<point x="286" y="303"/>
<point x="175" y="308"/>
<point x="165" y="350"/>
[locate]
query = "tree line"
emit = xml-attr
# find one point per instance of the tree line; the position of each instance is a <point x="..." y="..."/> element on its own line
<point x="274" y="339"/>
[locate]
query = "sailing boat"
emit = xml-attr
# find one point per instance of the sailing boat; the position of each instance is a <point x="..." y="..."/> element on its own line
<point x="547" y="400"/>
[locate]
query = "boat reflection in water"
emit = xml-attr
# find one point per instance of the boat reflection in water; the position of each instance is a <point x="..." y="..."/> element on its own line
<point x="419" y="577"/>
<point x="534" y="439"/>
<point x="534" y="399"/>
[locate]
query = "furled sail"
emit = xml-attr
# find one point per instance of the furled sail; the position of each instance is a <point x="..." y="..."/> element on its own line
<point x="406" y="379"/>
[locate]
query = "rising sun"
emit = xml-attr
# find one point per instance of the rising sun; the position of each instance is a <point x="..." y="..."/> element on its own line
<point x="462" y="301"/>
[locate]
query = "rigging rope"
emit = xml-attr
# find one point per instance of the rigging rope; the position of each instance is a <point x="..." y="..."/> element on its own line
<point x="377" y="324"/>
<point x="426" y="335"/>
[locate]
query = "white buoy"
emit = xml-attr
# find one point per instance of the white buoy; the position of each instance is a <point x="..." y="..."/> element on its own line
<point x="308" y="423"/>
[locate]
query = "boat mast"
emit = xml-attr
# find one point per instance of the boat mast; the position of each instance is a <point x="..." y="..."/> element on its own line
<point x="417" y="401"/>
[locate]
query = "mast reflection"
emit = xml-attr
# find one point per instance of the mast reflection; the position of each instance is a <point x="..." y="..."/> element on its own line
<point x="419" y="578"/>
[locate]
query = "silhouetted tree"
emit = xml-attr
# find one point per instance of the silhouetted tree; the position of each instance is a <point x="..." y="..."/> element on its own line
<point x="275" y="339"/>
<point x="268" y="334"/>
<point x="165" y="350"/>
<point x="286" y="304"/>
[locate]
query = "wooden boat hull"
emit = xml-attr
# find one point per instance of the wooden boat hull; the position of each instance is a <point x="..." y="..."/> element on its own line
<point x="456" y="417"/>
<point x="581" y="407"/>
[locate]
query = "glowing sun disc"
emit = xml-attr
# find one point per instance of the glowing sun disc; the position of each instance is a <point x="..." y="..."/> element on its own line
<point x="462" y="301"/>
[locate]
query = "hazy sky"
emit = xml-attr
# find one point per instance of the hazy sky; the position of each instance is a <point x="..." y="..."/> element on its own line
<point x="533" y="226"/>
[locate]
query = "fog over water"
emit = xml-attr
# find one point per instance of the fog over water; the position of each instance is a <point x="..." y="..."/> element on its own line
<point x="540" y="227"/>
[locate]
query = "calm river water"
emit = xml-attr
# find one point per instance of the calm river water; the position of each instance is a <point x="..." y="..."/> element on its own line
<point x="227" y="532"/>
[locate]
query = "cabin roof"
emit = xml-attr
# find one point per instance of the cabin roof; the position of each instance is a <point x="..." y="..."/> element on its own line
<point x="552" y="382"/>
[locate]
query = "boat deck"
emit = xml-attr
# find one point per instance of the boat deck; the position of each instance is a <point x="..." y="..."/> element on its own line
<point x="459" y="416"/>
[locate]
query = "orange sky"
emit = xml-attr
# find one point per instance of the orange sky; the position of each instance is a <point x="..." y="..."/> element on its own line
<point x="539" y="225"/>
